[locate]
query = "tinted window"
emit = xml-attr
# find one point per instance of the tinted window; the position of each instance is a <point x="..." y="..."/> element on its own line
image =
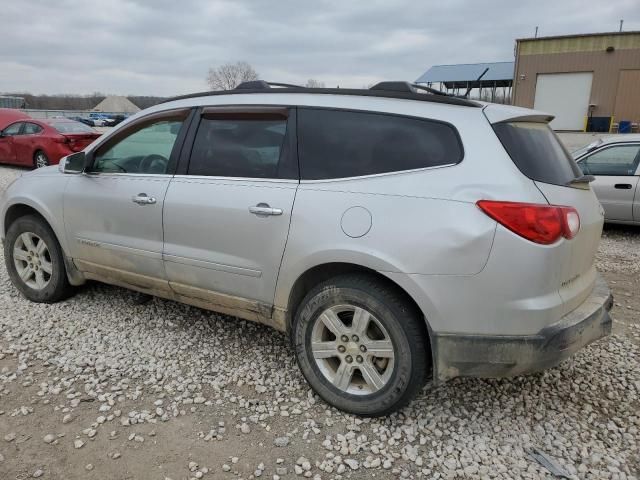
<point x="13" y="129"/>
<point x="338" y="144"/>
<point x="620" y="160"/>
<point x="70" y="127"/>
<point x="31" y="129"/>
<point x="146" y="150"/>
<point x="537" y="152"/>
<point x="249" y="148"/>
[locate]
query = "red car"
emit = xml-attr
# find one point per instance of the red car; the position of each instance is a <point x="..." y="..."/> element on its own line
<point x="38" y="143"/>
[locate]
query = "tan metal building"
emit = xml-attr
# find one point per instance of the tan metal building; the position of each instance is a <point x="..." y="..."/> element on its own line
<point x="589" y="82"/>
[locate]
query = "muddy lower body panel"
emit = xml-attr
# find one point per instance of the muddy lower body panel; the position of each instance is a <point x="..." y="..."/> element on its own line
<point x="504" y="356"/>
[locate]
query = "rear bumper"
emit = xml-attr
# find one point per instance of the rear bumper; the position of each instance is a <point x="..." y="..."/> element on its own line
<point x="457" y="355"/>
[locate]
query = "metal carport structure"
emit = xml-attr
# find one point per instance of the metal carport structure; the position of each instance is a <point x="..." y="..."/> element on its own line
<point x="469" y="76"/>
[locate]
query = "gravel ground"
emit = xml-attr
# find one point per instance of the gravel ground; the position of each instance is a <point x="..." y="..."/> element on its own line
<point x="98" y="387"/>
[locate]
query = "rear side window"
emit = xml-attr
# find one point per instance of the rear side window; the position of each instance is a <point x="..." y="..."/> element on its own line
<point x="339" y="144"/>
<point x="239" y="147"/>
<point x="31" y="129"/>
<point x="537" y="152"/>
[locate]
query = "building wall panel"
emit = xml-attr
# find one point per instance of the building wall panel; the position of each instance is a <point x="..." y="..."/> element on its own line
<point x="627" y="105"/>
<point x="605" y="67"/>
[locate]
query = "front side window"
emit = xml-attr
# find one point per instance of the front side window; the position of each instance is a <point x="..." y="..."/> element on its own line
<point x="13" y="130"/>
<point x="339" y="144"/>
<point x="619" y="160"/>
<point x="31" y="129"/>
<point x="248" y="146"/>
<point x="145" y="150"/>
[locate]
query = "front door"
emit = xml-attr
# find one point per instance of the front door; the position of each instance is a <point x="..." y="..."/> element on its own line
<point x="226" y="218"/>
<point x="7" y="143"/>
<point x="615" y="170"/>
<point x="113" y="212"/>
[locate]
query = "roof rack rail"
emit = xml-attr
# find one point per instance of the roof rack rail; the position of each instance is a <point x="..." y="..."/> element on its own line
<point x="262" y="85"/>
<point x="406" y="87"/>
<point x="400" y="90"/>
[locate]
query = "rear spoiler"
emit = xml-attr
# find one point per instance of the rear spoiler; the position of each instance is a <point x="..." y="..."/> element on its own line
<point x="507" y="113"/>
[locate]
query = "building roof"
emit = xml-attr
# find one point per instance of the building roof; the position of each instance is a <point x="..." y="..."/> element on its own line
<point x="116" y="104"/>
<point x="459" y="75"/>
<point x="578" y="35"/>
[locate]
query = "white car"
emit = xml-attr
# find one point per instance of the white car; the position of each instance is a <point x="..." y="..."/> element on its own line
<point x="615" y="163"/>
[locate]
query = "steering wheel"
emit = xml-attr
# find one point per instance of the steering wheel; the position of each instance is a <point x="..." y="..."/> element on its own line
<point x="153" y="163"/>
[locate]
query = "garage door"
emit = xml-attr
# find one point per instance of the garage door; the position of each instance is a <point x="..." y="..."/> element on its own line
<point x="565" y="95"/>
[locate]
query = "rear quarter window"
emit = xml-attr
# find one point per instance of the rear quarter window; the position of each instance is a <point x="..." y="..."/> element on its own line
<point x="340" y="144"/>
<point x="537" y="152"/>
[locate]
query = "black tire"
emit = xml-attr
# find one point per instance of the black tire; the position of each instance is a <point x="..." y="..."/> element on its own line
<point x="40" y="159"/>
<point x="58" y="287"/>
<point x="405" y="328"/>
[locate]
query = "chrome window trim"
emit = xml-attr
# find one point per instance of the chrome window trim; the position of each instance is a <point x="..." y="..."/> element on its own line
<point x="122" y="174"/>
<point x="236" y="179"/>
<point x="375" y="175"/>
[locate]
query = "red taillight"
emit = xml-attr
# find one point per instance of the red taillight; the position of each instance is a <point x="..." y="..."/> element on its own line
<point x="544" y="224"/>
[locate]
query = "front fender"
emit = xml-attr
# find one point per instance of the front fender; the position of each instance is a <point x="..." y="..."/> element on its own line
<point x="44" y="194"/>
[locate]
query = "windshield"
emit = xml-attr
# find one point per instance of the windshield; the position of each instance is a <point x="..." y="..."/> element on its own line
<point x="71" y="127"/>
<point x="587" y="148"/>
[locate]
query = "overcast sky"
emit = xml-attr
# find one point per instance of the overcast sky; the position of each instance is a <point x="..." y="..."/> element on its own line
<point x="165" y="47"/>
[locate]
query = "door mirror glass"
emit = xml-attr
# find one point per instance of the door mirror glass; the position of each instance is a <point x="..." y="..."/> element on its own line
<point x="73" y="163"/>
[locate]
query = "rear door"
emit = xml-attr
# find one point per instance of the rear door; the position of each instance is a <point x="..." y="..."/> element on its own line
<point x="227" y="213"/>
<point x="615" y="168"/>
<point x="25" y="143"/>
<point x="7" y="142"/>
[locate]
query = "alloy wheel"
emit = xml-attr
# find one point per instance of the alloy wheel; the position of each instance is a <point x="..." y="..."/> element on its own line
<point x="41" y="160"/>
<point x="352" y="349"/>
<point x="32" y="260"/>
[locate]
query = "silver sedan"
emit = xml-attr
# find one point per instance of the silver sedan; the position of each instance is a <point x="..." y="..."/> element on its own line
<point x="615" y="164"/>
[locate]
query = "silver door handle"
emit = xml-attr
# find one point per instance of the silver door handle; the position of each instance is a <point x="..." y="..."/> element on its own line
<point x="143" y="199"/>
<point x="263" y="209"/>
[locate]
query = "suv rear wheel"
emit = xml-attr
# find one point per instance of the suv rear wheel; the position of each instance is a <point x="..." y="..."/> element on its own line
<point x="34" y="260"/>
<point x="361" y="345"/>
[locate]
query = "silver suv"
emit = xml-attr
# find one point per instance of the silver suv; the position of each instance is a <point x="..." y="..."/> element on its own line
<point x="396" y="236"/>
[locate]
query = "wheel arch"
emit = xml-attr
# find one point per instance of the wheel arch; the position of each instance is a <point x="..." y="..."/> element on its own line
<point x="21" y="209"/>
<point x="322" y="272"/>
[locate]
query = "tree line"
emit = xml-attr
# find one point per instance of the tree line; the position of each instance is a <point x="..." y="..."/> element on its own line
<point x="78" y="102"/>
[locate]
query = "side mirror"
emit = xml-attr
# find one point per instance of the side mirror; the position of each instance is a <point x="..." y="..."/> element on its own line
<point x="73" y="163"/>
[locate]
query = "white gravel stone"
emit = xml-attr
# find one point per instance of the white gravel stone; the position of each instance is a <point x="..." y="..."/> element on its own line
<point x="38" y="473"/>
<point x="49" y="438"/>
<point x="78" y="443"/>
<point x="281" y="441"/>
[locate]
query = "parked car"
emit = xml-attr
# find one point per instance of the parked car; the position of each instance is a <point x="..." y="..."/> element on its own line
<point x="87" y="121"/>
<point x="114" y="120"/>
<point x="99" y="119"/>
<point x="615" y="164"/>
<point x="395" y="236"/>
<point x="38" y="143"/>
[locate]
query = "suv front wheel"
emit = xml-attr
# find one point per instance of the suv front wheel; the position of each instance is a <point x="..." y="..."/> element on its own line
<point x="361" y="345"/>
<point x="34" y="260"/>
